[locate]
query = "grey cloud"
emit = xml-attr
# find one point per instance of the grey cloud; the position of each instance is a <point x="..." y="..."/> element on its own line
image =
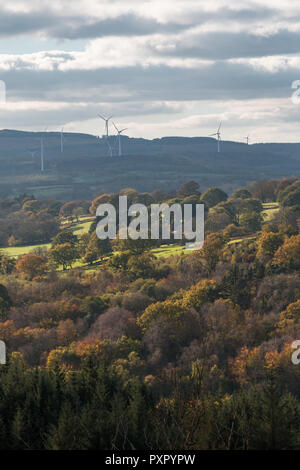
<point x="73" y="27"/>
<point x="131" y="24"/>
<point x="15" y="24"/>
<point x="125" y="25"/>
<point x="222" y="80"/>
<point x="227" y="45"/>
<point x="85" y="27"/>
<point x="58" y="117"/>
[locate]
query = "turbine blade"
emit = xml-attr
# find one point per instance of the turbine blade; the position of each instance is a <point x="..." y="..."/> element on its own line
<point x="220" y="126"/>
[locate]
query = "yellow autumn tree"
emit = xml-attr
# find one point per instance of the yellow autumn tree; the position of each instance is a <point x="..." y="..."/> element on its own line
<point x="204" y="291"/>
<point x="268" y="244"/>
<point x="288" y="255"/>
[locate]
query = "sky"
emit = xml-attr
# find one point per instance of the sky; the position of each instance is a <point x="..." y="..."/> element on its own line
<point x="161" y="68"/>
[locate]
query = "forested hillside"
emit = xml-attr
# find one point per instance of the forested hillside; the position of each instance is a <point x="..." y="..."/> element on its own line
<point x="144" y="345"/>
<point x="84" y="169"/>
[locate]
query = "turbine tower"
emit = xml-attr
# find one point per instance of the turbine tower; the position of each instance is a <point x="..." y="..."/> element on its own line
<point x="218" y="134"/>
<point x="62" y="140"/>
<point x="42" y="153"/>
<point x="119" y="138"/>
<point x="247" y="139"/>
<point x="106" y="120"/>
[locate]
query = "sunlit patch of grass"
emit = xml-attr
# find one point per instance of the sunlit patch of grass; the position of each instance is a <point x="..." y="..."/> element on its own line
<point x="82" y="227"/>
<point x="164" y="251"/>
<point x="239" y="240"/>
<point x="16" y="251"/>
<point x="270" y="210"/>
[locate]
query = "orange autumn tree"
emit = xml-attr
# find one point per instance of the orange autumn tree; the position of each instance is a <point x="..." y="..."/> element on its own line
<point x="31" y="266"/>
<point x="104" y="199"/>
<point x="204" y="291"/>
<point x="211" y="253"/>
<point x="288" y="255"/>
<point x="268" y="244"/>
<point x="290" y="316"/>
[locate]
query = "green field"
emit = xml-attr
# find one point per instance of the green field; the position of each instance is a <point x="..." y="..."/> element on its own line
<point x="164" y="251"/>
<point x="16" y="251"/>
<point x="82" y="227"/>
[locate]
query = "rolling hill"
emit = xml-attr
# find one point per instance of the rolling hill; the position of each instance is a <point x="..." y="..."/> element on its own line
<point x="84" y="169"/>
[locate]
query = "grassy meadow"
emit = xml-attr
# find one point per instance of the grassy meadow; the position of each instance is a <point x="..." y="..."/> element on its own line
<point x="84" y="223"/>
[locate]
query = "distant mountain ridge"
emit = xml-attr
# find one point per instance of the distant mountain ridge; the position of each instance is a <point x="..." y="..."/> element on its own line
<point x="84" y="169"/>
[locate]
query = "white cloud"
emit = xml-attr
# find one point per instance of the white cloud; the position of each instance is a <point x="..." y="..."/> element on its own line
<point x="270" y="64"/>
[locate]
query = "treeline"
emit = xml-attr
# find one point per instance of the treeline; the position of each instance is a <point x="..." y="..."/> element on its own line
<point x="24" y="220"/>
<point x="27" y="221"/>
<point x="101" y="406"/>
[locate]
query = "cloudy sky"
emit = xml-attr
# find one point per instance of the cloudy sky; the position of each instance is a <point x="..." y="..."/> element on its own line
<point x="166" y="67"/>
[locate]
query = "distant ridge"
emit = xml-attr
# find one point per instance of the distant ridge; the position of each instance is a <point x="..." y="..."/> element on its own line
<point x="84" y="169"/>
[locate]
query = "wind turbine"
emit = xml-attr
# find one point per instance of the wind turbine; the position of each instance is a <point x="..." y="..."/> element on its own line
<point x="32" y="153"/>
<point x="247" y="139"/>
<point x="218" y="134"/>
<point x="119" y="138"/>
<point x="106" y="120"/>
